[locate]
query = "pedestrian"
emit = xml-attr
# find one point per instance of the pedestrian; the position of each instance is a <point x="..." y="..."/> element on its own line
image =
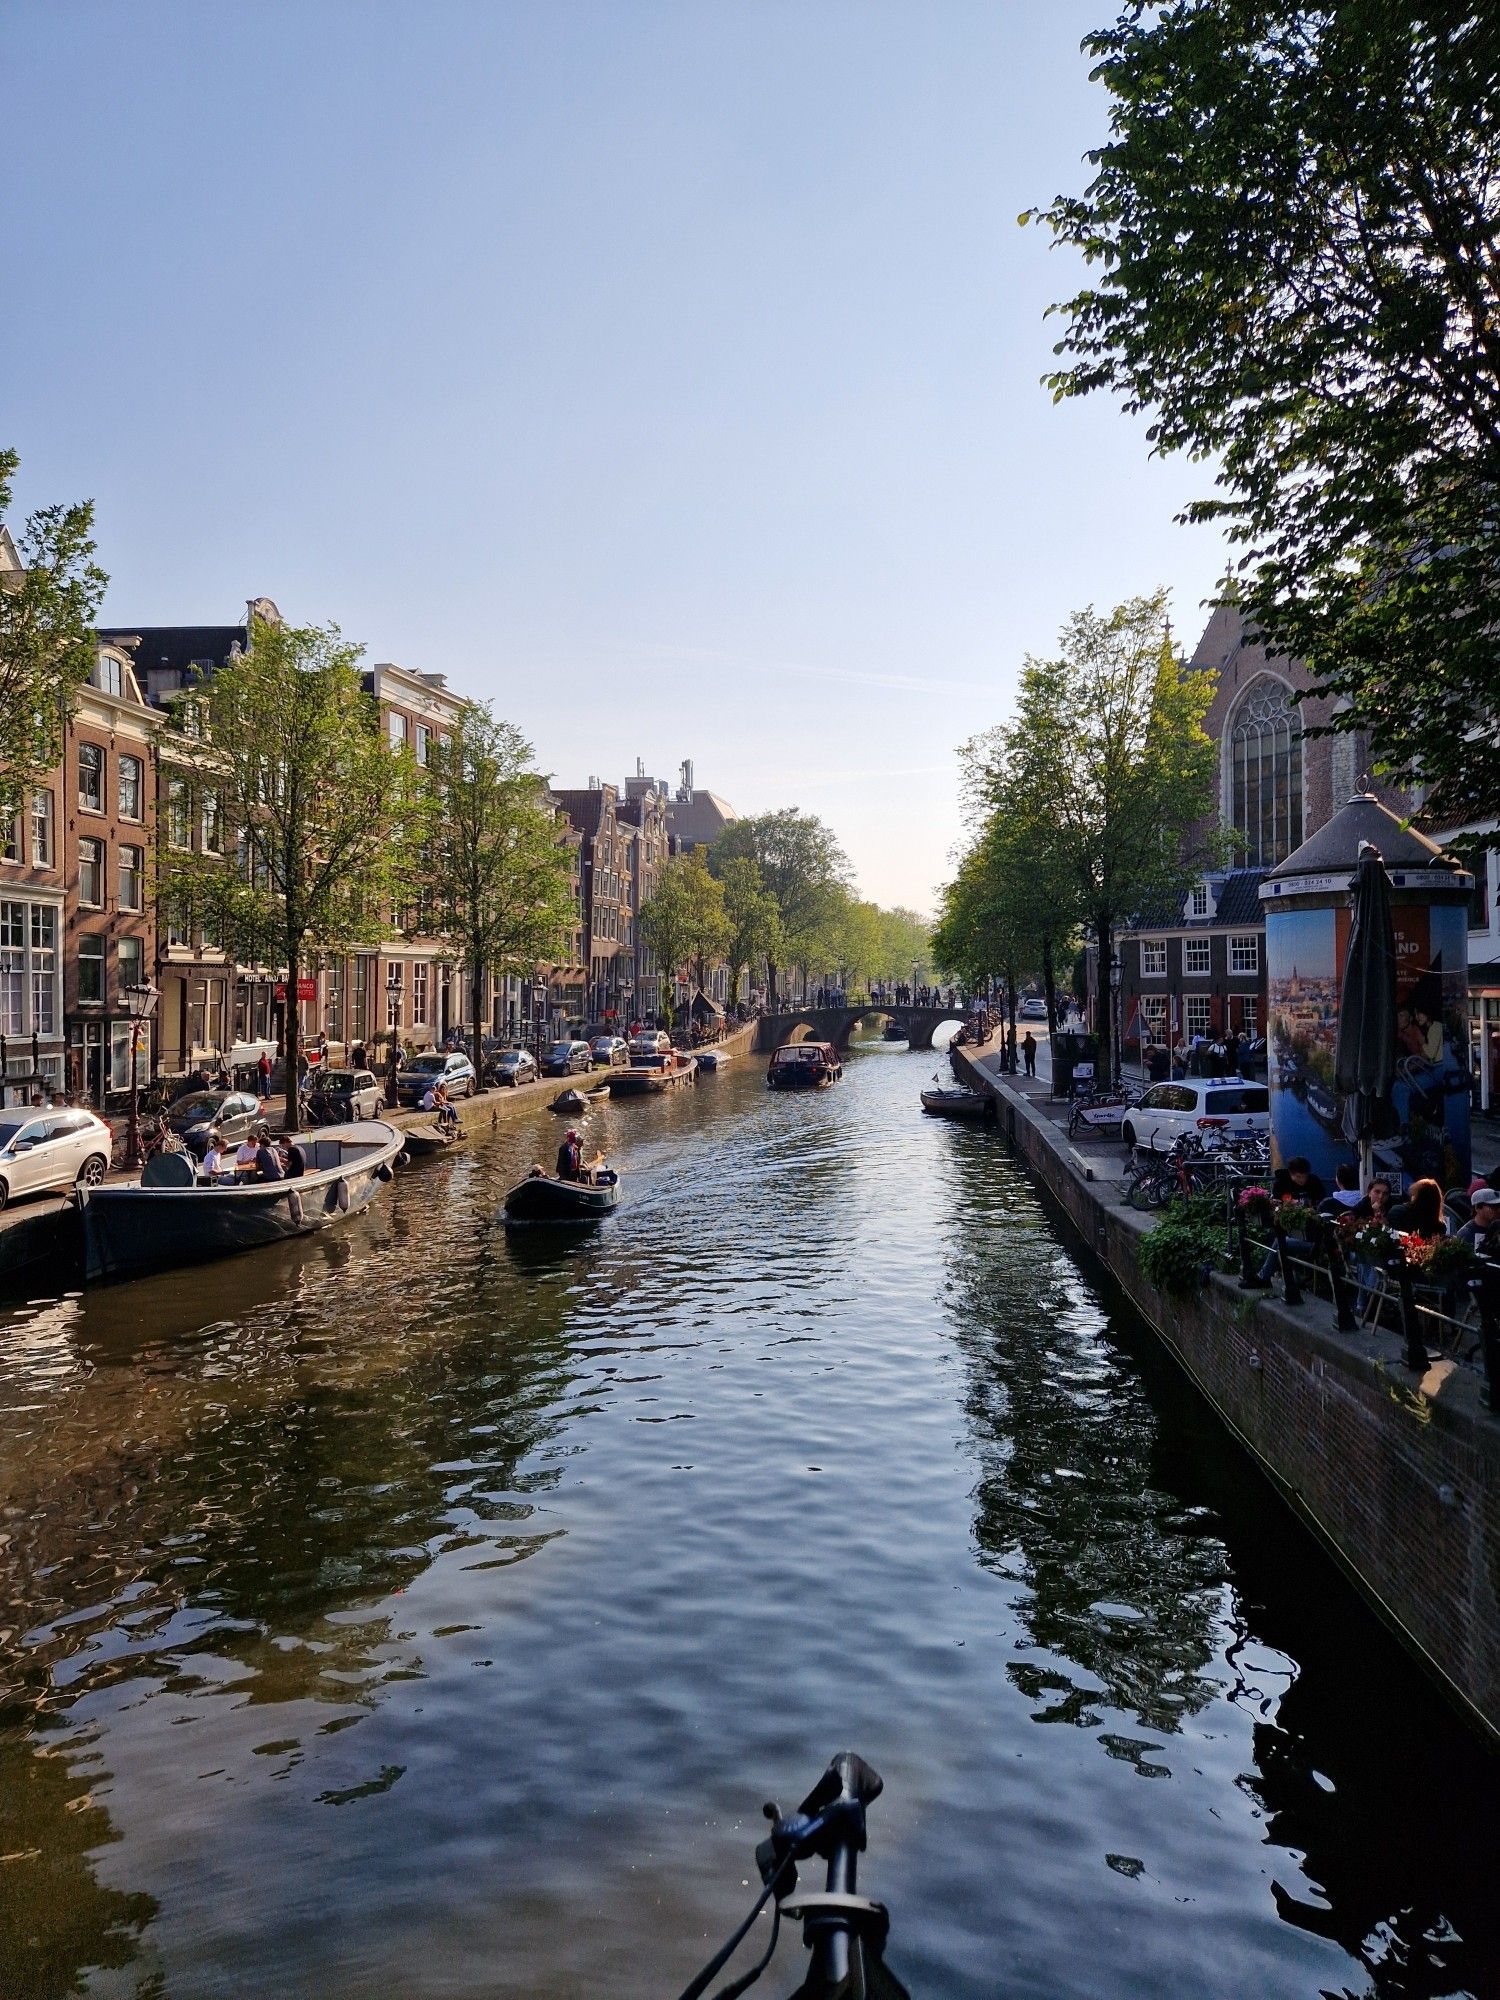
<point x="263" y="1076"/>
<point x="1028" y="1050"/>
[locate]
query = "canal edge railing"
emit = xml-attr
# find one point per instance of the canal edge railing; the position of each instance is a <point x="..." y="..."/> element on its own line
<point x="1398" y="1477"/>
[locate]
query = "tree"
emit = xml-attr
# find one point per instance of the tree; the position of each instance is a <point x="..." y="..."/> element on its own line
<point x="803" y="867"/>
<point x="47" y="648"/>
<point x="324" y="820"/>
<point x="1304" y="283"/>
<point x="501" y="884"/>
<point x="1104" y="780"/>
<point x="684" y="923"/>
<point x="754" y="923"/>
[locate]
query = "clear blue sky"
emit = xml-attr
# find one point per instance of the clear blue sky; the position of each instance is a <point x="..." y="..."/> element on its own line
<point x="665" y="373"/>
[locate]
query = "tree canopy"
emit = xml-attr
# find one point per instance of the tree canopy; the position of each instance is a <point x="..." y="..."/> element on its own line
<point x="1294" y="235"/>
<point x="804" y="869"/>
<point x="47" y="645"/>
<point x="684" y="923"/>
<point x="499" y="881"/>
<point x="323" y="821"/>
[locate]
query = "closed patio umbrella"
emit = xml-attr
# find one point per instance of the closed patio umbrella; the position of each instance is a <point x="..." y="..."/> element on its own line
<point x="1365" y="1051"/>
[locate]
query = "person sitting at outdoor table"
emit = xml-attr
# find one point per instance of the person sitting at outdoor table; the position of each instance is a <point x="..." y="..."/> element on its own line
<point x="1295" y="1182"/>
<point x="1346" y="1196"/>
<point x="216" y="1166"/>
<point x="1373" y="1212"/>
<point x="1483" y="1233"/>
<point x="267" y="1165"/>
<point x="244" y="1159"/>
<point x="292" y="1158"/>
<point x="1422" y="1213"/>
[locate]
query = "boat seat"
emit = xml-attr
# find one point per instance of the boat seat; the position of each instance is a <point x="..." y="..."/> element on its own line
<point x="169" y="1170"/>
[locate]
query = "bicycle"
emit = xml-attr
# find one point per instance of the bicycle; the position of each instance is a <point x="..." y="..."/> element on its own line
<point x="844" y="1932"/>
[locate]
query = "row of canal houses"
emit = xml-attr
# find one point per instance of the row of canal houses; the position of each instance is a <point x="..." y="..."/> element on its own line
<point x="81" y="932"/>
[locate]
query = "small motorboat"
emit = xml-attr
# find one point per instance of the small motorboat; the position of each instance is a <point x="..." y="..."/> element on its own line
<point x="958" y="1104"/>
<point x="422" y="1141"/>
<point x="579" y="1100"/>
<point x="648" y="1075"/>
<point x="545" y="1198"/>
<point x="168" y="1217"/>
<point x="804" y="1066"/>
<point x="712" y="1060"/>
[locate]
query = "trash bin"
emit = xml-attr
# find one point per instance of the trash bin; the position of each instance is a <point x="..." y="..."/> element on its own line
<point x="1070" y="1047"/>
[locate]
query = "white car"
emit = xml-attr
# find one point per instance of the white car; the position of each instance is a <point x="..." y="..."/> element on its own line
<point x="651" y="1042"/>
<point x="51" y="1149"/>
<point x="1032" y="1010"/>
<point x="1202" y="1105"/>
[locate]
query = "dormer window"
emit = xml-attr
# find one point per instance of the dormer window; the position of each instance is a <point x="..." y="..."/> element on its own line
<point x="109" y="675"/>
<point x="1198" y="900"/>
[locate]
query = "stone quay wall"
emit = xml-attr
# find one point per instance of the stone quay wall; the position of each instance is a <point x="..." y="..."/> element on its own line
<point x="1399" y="1478"/>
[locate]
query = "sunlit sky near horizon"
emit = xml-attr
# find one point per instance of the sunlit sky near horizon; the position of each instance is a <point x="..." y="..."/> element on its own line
<point x="666" y="374"/>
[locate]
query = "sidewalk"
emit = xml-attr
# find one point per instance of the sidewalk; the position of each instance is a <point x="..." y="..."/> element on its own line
<point x="1097" y="1159"/>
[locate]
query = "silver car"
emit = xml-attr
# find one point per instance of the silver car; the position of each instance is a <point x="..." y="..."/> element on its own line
<point x="51" y="1149"/>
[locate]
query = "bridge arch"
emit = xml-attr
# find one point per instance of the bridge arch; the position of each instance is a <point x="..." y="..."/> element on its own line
<point x="837" y="1024"/>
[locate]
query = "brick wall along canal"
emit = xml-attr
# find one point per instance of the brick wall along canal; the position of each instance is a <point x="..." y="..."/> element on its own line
<point x="390" y="1615"/>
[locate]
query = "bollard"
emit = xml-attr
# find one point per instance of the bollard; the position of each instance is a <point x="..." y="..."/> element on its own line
<point x="1416" y="1352"/>
<point x="1338" y="1278"/>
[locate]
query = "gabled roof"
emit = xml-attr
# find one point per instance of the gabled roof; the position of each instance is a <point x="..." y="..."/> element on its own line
<point x="700" y="818"/>
<point x="585" y="808"/>
<point x="1236" y="905"/>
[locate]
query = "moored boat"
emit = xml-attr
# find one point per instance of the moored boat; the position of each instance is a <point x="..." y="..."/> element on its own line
<point x="958" y="1104"/>
<point x="169" y="1217"/>
<point x="421" y="1141"/>
<point x="545" y="1198"/>
<point x="579" y="1100"/>
<point x="648" y="1075"/>
<point x="804" y="1066"/>
<point x="712" y="1060"/>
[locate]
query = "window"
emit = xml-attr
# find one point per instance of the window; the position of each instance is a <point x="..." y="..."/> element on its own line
<point x="1153" y="1011"/>
<point x="336" y="1000"/>
<point x="91" y="969"/>
<point x="12" y="968"/>
<point x="1244" y="953"/>
<point x="1198" y="900"/>
<point x="128" y="962"/>
<point x="1198" y="1015"/>
<point x="91" y="873"/>
<point x="91" y="777"/>
<point x="1250" y="1016"/>
<point x="10" y="846"/>
<point x="424" y="742"/>
<point x="394" y="979"/>
<point x="179" y="925"/>
<point x="396" y="725"/>
<point x="1197" y="954"/>
<point x="41" y="829"/>
<point x="131" y="795"/>
<point x="179" y="813"/>
<point x="213" y="825"/>
<point x="361" y="1020"/>
<point x="419" y="975"/>
<point x="1153" y="961"/>
<point x="119" y="1054"/>
<point x="109" y="675"/>
<point x="1264" y="749"/>
<point x="43" y="969"/>
<point x="132" y="878"/>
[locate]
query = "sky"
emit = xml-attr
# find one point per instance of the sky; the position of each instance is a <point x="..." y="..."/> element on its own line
<point x="666" y="374"/>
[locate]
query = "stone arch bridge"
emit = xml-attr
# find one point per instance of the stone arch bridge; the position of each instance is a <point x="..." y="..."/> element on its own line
<point x="837" y="1024"/>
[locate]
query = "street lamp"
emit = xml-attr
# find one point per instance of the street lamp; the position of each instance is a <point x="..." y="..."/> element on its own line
<point x="140" y="1004"/>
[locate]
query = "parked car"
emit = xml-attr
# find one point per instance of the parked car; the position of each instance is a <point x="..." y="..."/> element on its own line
<point x="1169" y="1109"/>
<point x="341" y="1096"/>
<point x="193" y="1117"/>
<point x="449" y="1067"/>
<point x="512" y="1066"/>
<point x="567" y="1059"/>
<point x="1032" y="1010"/>
<point x="51" y="1149"/>
<point x="651" y="1042"/>
<point x="610" y="1052"/>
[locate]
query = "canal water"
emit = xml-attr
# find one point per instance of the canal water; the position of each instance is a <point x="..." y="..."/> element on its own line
<point x="396" y="1614"/>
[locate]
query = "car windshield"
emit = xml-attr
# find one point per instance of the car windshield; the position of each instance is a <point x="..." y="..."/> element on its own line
<point x="562" y="1048"/>
<point x="200" y="1105"/>
<point x="427" y="1064"/>
<point x="510" y="1057"/>
<point x="337" y="1079"/>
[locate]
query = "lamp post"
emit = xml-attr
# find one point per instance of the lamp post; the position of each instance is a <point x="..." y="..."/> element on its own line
<point x="393" y="988"/>
<point x="140" y="1004"/>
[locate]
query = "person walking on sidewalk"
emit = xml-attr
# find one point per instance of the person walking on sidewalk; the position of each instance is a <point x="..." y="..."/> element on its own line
<point x="1028" y="1050"/>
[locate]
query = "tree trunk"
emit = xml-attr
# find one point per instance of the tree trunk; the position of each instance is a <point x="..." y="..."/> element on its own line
<point x="1104" y="1070"/>
<point x="1049" y="980"/>
<point x="770" y="986"/>
<point x="476" y="1001"/>
<point x="293" y="1019"/>
<point x="1010" y="1008"/>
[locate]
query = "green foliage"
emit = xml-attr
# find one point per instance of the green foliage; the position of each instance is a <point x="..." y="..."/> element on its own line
<point x="754" y="922"/>
<point x="685" y="922"/>
<point x="1300" y="283"/>
<point x="47" y="645"/>
<point x="324" y="822"/>
<point x="803" y="868"/>
<point x="1187" y="1240"/>
<point x="1451" y="1261"/>
<point x="497" y="874"/>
